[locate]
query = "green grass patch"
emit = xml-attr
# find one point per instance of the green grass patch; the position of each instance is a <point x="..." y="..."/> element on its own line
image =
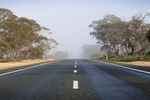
<point x="9" y="60"/>
<point x="130" y="58"/>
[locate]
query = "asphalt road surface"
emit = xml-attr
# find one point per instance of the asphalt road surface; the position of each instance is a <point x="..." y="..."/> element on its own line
<point x="75" y="80"/>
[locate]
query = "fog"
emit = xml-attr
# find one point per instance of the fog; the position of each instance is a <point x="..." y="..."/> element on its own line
<point x="69" y="20"/>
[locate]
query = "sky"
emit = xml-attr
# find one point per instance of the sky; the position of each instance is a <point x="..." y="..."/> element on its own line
<point x="69" y="20"/>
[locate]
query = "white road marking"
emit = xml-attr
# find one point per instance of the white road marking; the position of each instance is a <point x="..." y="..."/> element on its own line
<point x="75" y="66"/>
<point x="75" y="62"/>
<point x="23" y="69"/>
<point x="75" y="71"/>
<point x="137" y="70"/>
<point x="75" y="85"/>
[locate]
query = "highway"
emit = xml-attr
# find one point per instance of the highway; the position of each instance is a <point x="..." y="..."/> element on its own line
<point x="75" y="79"/>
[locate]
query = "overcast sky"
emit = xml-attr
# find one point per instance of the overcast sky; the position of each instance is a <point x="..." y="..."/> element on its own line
<point x="68" y="20"/>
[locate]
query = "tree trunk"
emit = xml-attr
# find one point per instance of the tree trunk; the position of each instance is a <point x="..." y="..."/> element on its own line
<point x="1" y="56"/>
<point x="126" y="50"/>
<point x="132" y="51"/>
<point x="142" y="49"/>
<point x="117" y="52"/>
<point x="15" y="54"/>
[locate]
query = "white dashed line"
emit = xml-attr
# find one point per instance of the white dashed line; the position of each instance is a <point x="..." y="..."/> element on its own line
<point x="75" y="84"/>
<point x="75" y="66"/>
<point x="75" y="71"/>
<point x="75" y="62"/>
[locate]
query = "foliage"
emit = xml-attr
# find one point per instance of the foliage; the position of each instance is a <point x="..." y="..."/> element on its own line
<point x="147" y="54"/>
<point x="148" y="35"/>
<point x="10" y="60"/>
<point x="96" y="55"/>
<point x="130" y="58"/>
<point x="33" y="52"/>
<point x="60" y="55"/>
<point x="4" y="46"/>
<point x="91" y="51"/>
<point x="115" y="34"/>
<point x="20" y="36"/>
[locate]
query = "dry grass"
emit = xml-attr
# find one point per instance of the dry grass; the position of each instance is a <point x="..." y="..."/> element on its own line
<point x="22" y="63"/>
<point x="139" y="63"/>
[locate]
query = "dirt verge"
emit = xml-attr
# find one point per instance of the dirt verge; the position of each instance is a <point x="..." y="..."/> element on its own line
<point x="22" y="63"/>
<point x="138" y="63"/>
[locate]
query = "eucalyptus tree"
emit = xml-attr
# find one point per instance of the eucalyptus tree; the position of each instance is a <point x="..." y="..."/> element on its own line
<point x="148" y="35"/>
<point x="107" y="32"/>
<point x="136" y="38"/>
<point x="22" y="34"/>
<point x="4" y="47"/>
<point x="113" y="34"/>
<point x="89" y="50"/>
<point x="60" y="55"/>
<point x="6" y="15"/>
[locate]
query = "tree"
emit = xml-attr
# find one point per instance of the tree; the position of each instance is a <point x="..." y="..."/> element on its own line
<point x="148" y="35"/>
<point x="114" y="34"/>
<point x="33" y="52"/>
<point x="4" y="47"/>
<point x="6" y="15"/>
<point x="60" y="55"/>
<point x="22" y="35"/>
<point x="136" y="36"/>
<point x="89" y="50"/>
<point x="106" y="32"/>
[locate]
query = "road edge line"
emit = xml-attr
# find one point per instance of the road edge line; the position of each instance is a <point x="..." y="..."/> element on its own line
<point x="11" y="72"/>
<point x="137" y="70"/>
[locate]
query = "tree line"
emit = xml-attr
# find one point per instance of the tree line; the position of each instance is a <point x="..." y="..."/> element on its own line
<point x="91" y="51"/>
<point x="60" y="55"/>
<point x="119" y="36"/>
<point x="21" y="37"/>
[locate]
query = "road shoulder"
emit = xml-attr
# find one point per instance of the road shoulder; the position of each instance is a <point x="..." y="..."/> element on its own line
<point x="14" y="68"/>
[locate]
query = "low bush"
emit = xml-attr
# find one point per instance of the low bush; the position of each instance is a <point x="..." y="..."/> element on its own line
<point x="131" y="58"/>
<point x="147" y="54"/>
<point x="9" y="60"/>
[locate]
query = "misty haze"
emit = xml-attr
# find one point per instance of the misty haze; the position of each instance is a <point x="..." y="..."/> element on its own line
<point x="74" y="50"/>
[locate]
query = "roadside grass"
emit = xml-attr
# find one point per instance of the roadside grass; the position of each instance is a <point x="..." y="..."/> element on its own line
<point x="19" y="60"/>
<point x="129" y="58"/>
<point x="9" y="60"/>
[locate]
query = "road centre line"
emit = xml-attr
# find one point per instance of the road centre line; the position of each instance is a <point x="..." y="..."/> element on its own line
<point x="75" y="84"/>
<point x="75" y="62"/>
<point x="75" y="71"/>
<point x="11" y="72"/>
<point x="75" y="66"/>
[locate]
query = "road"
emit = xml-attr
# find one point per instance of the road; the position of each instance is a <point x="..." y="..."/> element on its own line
<point x="74" y="80"/>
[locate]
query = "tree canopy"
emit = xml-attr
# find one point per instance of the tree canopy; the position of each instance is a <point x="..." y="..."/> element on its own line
<point x="91" y="51"/>
<point x="115" y="34"/>
<point x="148" y="35"/>
<point x="60" y="55"/>
<point x="20" y="38"/>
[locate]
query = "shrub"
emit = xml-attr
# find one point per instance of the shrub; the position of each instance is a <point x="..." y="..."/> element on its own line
<point x="147" y="54"/>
